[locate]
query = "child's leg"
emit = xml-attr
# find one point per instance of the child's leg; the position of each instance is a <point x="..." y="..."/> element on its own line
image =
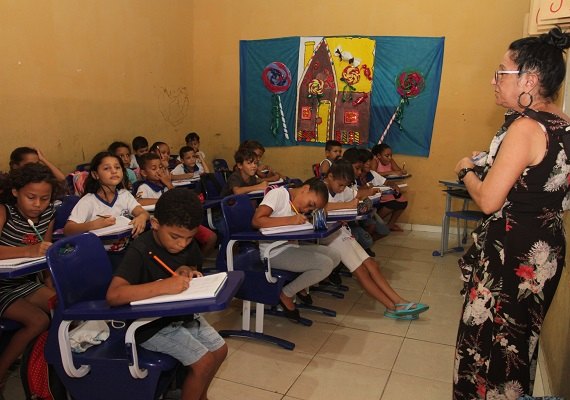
<point x="393" y="218"/>
<point x="30" y="311"/>
<point x="373" y="271"/>
<point x="369" y="285"/>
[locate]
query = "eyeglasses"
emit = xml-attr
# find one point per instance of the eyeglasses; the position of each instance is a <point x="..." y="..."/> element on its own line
<point x="499" y="73"/>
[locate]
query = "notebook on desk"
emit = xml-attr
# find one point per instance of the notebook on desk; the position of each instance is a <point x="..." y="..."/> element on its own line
<point x="286" y="228"/>
<point x="184" y="182"/>
<point x="342" y="211"/>
<point x="122" y="224"/>
<point x="21" y="262"/>
<point x="204" y="287"/>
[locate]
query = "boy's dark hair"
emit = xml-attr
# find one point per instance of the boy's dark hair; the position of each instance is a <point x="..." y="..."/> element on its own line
<point x="154" y="147"/>
<point x="351" y="155"/>
<point x="92" y="184"/>
<point x="342" y="169"/>
<point x="29" y="173"/>
<point x="252" y="145"/>
<point x="139" y="142"/>
<point x="147" y="157"/>
<point x="244" y="154"/>
<point x="332" y="143"/>
<point x="117" y="145"/>
<point x="179" y="207"/>
<point x="184" y="150"/>
<point x="318" y="186"/>
<point x="365" y="155"/>
<point x="191" y="137"/>
<point x="379" y="148"/>
<point x="18" y="154"/>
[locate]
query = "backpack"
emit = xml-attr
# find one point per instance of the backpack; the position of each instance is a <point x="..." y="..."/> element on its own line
<point x="39" y="379"/>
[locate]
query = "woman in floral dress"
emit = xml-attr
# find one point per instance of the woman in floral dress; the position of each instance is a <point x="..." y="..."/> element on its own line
<point x="513" y="268"/>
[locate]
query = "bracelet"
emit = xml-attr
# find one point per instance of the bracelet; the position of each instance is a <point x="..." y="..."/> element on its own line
<point x="463" y="172"/>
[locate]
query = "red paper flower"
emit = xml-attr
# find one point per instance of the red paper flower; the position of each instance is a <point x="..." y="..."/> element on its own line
<point x="410" y="84"/>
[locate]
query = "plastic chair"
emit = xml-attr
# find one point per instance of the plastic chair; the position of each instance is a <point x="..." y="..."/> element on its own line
<point x="261" y="285"/>
<point x="220" y="165"/>
<point x="117" y="368"/>
<point x="316" y="170"/>
<point x="212" y="185"/>
<point x="63" y="210"/>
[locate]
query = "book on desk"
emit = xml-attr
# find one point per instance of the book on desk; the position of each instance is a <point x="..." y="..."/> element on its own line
<point x="122" y="224"/>
<point x="21" y="262"/>
<point x="286" y="228"/>
<point x="205" y="287"/>
<point x="342" y="211"/>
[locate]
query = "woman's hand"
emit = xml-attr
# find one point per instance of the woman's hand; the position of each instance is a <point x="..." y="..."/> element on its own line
<point x="465" y="162"/>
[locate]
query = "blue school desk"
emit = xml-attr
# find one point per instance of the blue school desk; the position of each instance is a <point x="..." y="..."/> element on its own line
<point x="457" y="190"/>
<point x="25" y="269"/>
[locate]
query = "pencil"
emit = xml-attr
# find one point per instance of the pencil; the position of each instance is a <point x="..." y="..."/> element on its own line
<point x="294" y="209"/>
<point x="162" y="264"/>
<point x="31" y="223"/>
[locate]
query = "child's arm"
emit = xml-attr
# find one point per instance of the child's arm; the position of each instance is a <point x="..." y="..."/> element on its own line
<point x="73" y="228"/>
<point x="60" y="176"/>
<point x="165" y="178"/>
<point x="202" y="162"/>
<point x="35" y="250"/>
<point x="265" y="173"/>
<point x="247" y="189"/>
<point x="122" y="292"/>
<point x="331" y="205"/>
<point x="324" y="167"/>
<point x="365" y="191"/>
<point x="141" y="216"/>
<point x="145" y="201"/>
<point x="263" y="219"/>
<point x="395" y="170"/>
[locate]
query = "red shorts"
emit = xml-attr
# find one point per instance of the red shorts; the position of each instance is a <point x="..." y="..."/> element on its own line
<point x="204" y="235"/>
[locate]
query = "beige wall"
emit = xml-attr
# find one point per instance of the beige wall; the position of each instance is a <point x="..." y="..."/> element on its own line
<point x="78" y="75"/>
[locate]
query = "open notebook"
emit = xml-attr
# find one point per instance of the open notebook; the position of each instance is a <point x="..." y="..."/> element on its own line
<point x="204" y="287"/>
<point x="21" y="262"/>
<point x="286" y="228"/>
<point x="184" y="182"/>
<point x="122" y="224"/>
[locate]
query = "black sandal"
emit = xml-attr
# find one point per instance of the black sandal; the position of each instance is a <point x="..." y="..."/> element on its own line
<point x="291" y="314"/>
<point x="305" y="298"/>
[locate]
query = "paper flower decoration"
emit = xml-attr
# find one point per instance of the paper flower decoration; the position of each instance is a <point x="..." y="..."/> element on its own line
<point x="277" y="79"/>
<point x="409" y="84"/>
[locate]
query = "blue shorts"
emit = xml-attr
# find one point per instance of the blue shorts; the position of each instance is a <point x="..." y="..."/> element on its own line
<point x="186" y="341"/>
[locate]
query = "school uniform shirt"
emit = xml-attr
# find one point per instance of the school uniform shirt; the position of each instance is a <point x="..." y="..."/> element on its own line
<point x="182" y="169"/>
<point x="137" y="267"/>
<point x="346" y="195"/>
<point x="279" y="201"/>
<point x="91" y="205"/>
<point x="134" y="163"/>
<point x="150" y="190"/>
<point x="236" y="180"/>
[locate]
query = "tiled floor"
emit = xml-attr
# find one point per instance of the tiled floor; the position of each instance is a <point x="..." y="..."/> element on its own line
<point x="359" y="354"/>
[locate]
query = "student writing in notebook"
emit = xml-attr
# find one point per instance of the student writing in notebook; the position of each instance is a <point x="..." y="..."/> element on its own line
<point x="286" y="206"/>
<point x="189" y="339"/>
<point x="188" y="168"/>
<point x="363" y="267"/>
<point x="28" y="196"/>
<point x="384" y="163"/>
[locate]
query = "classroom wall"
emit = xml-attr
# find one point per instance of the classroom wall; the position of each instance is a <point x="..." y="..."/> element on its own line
<point x="77" y="75"/>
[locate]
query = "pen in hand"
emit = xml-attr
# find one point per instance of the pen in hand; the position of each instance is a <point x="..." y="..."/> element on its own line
<point x="31" y="223"/>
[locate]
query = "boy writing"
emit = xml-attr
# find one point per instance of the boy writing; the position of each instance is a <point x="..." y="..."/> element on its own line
<point x="189" y="339"/>
<point x="243" y="179"/>
<point x="333" y="151"/>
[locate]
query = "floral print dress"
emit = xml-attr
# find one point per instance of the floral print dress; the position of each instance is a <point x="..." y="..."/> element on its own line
<point x="511" y="273"/>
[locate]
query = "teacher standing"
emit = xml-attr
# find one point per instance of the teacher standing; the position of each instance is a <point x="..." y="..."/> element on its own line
<point x="513" y="268"/>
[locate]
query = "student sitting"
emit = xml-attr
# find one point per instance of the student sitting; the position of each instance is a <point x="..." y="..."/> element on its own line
<point x="383" y="162"/>
<point x="333" y="151"/>
<point x="28" y="155"/>
<point x="391" y="205"/>
<point x="264" y="172"/>
<point x="156" y="180"/>
<point x="244" y="179"/>
<point x="123" y="151"/>
<point x="156" y="183"/>
<point x="140" y="147"/>
<point x="104" y="200"/>
<point x="193" y="140"/>
<point x="363" y="267"/>
<point x="163" y="151"/>
<point x="286" y="206"/>
<point x="188" y="168"/>
<point x="28" y="196"/>
<point x="189" y="339"/>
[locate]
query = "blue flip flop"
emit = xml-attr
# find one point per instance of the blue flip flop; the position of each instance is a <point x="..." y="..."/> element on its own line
<point x="400" y="317"/>
<point x="410" y="308"/>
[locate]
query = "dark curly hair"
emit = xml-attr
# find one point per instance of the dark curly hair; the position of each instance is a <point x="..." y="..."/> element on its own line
<point x="179" y="207"/>
<point x="92" y="185"/>
<point x="318" y="186"/>
<point x="29" y="173"/>
<point x="342" y="169"/>
<point x="543" y="55"/>
<point x="17" y="155"/>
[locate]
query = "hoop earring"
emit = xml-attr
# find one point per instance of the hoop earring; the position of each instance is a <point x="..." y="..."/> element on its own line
<point x="530" y="100"/>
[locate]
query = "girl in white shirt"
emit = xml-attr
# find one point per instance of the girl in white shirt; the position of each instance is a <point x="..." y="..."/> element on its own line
<point x="286" y="206"/>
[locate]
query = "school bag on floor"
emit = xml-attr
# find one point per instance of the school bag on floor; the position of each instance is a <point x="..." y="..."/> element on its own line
<point x="39" y="379"/>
